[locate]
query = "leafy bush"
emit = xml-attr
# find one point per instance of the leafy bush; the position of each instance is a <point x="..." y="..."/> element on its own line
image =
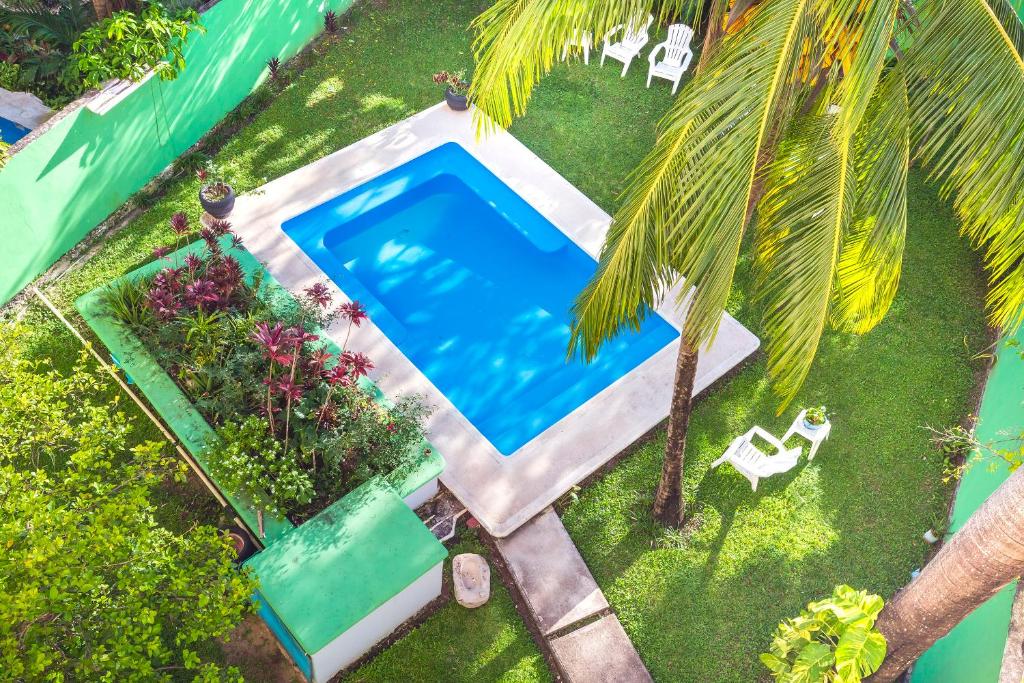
<point x="10" y="75"/>
<point x="296" y="428"/>
<point x="128" y="44"/>
<point x="94" y="588"/>
<point x="832" y="641"/>
<point x="38" y="37"/>
<point x="274" y="480"/>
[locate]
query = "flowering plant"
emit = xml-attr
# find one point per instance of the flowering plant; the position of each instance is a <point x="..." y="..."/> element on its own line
<point x="295" y="427"/>
<point x="453" y="80"/>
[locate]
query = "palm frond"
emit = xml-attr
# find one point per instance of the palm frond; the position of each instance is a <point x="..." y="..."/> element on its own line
<point x="518" y="41"/>
<point x="802" y="218"/>
<point x="733" y="108"/>
<point x="856" y="36"/>
<point x="59" y="26"/>
<point x="680" y="215"/>
<point x="872" y="251"/>
<point x="967" y="85"/>
<point x="635" y="268"/>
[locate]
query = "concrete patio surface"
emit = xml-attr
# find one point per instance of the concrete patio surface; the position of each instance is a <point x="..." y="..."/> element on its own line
<point x="501" y="492"/>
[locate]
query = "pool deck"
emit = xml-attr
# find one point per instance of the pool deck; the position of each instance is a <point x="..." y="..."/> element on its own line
<point x="501" y="492"/>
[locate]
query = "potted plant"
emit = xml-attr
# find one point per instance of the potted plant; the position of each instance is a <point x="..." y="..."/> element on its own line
<point x="216" y="196"/>
<point x="456" y="92"/>
<point x="815" y="418"/>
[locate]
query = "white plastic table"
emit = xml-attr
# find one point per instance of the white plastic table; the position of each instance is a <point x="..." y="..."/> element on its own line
<point x="815" y="436"/>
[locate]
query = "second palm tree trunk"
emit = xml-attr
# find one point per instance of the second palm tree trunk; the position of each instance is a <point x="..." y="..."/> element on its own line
<point x="982" y="557"/>
<point x="669" y="502"/>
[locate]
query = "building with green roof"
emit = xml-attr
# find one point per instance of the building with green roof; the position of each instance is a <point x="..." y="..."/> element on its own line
<point x="338" y="584"/>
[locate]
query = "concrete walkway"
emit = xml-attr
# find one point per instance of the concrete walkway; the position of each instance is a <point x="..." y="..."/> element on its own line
<point x="585" y="638"/>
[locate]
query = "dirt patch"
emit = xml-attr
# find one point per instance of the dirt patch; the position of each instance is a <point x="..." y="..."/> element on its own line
<point x="256" y="652"/>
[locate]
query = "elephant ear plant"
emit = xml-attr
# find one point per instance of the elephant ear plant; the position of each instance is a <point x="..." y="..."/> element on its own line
<point x="295" y="429"/>
<point x="832" y="641"/>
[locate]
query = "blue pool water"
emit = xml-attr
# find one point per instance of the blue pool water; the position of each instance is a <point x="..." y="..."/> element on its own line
<point x="474" y="286"/>
<point x="10" y="132"/>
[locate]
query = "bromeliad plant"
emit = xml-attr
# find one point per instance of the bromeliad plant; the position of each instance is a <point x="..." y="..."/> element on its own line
<point x="295" y="428"/>
<point x="832" y="641"/>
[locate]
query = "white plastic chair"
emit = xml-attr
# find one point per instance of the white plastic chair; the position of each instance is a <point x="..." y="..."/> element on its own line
<point x="815" y="436"/>
<point x="755" y="464"/>
<point x="633" y="40"/>
<point x="583" y="39"/>
<point x="677" y="56"/>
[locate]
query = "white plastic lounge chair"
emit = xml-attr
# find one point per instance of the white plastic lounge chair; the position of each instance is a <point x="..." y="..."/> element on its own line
<point x="583" y="39"/>
<point x="755" y="464"/>
<point x="815" y="436"/>
<point x="633" y="40"/>
<point x="677" y="56"/>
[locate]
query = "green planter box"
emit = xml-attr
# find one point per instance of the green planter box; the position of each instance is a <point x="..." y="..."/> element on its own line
<point x="185" y="421"/>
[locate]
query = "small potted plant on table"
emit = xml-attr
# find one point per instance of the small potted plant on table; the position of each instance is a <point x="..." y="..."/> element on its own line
<point x="215" y="195"/>
<point x="815" y="418"/>
<point x="456" y="92"/>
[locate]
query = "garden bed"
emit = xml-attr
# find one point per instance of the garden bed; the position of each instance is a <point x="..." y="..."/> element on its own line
<point x="190" y="421"/>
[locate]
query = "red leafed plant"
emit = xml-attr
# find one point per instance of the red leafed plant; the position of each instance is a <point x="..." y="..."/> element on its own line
<point x="452" y="80"/>
<point x="248" y="354"/>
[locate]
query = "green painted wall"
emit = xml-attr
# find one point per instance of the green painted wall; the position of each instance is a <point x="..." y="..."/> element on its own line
<point x="63" y="184"/>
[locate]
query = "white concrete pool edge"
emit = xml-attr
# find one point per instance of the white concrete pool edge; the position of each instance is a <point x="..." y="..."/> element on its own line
<point x="501" y="492"/>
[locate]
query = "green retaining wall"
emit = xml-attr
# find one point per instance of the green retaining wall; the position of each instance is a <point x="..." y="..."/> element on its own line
<point x="973" y="651"/>
<point x="181" y="416"/>
<point x="67" y="181"/>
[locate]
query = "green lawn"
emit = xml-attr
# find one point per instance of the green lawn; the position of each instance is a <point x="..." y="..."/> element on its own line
<point x="489" y="643"/>
<point x="699" y="606"/>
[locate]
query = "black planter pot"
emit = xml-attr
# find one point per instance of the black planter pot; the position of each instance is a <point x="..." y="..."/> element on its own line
<point x="455" y="101"/>
<point x="220" y="208"/>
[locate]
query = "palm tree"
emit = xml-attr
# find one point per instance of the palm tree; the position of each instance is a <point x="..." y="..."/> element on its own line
<point x="981" y="558"/>
<point x="799" y="117"/>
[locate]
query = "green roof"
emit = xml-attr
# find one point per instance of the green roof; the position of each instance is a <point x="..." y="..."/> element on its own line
<point x="322" y="577"/>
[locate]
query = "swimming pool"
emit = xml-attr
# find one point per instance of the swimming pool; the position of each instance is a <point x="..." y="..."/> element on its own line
<point x="11" y="132"/>
<point x="474" y="286"/>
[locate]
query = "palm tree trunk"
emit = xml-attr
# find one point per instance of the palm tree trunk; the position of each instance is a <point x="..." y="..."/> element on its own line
<point x="981" y="558"/>
<point x="669" y="504"/>
<point x="102" y="8"/>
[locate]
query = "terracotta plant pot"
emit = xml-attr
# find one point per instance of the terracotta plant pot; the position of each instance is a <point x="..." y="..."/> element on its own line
<point x="456" y="101"/>
<point x="219" y="208"/>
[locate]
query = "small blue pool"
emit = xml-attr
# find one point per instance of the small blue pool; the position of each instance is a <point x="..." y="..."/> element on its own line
<point x="11" y="132"/>
<point x="474" y="286"/>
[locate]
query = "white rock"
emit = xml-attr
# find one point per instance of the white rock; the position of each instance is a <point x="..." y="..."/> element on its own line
<point x="472" y="579"/>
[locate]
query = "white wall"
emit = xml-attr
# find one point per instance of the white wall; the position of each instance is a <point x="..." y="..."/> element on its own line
<point x="422" y="494"/>
<point x="371" y="629"/>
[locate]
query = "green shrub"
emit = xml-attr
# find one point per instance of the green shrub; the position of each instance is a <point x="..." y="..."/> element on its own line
<point x="95" y="589"/>
<point x="832" y="641"/>
<point x="247" y="459"/>
<point x="128" y="44"/>
<point x="10" y="75"/>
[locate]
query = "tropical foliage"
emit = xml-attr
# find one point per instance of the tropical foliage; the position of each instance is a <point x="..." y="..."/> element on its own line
<point x="812" y="123"/>
<point x="38" y="36"/>
<point x="832" y="641"/>
<point x="804" y="115"/>
<point x="127" y="45"/>
<point x="297" y="425"/>
<point x="61" y="48"/>
<point x="94" y="588"/>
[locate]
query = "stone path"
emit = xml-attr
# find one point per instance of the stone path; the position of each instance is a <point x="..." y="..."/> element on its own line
<point x="570" y="611"/>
